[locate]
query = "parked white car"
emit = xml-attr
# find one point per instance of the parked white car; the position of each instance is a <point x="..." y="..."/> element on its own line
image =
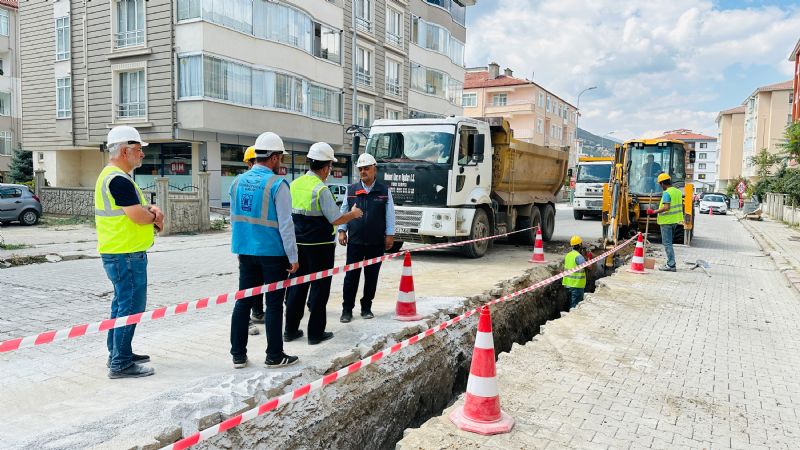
<point x="713" y="203"/>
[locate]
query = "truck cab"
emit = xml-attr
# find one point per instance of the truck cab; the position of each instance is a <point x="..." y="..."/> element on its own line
<point x="591" y="174"/>
<point x="439" y="172"/>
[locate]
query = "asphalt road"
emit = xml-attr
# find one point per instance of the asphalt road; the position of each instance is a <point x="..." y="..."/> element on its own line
<point x="589" y="228"/>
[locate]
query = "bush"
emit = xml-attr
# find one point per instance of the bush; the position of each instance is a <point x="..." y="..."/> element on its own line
<point x="786" y="181"/>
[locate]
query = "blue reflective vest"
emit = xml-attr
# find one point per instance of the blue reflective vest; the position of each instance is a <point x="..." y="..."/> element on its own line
<point x="254" y="218"/>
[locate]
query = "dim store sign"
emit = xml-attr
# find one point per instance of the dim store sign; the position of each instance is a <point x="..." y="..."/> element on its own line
<point x="177" y="167"/>
<point x="337" y="174"/>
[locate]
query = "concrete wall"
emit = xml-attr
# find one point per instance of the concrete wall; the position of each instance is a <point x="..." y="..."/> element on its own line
<point x="731" y="136"/>
<point x="68" y="201"/>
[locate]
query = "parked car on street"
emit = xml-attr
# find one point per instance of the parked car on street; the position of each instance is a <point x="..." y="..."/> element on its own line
<point x="713" y="202"/>
<point x="19" y="204"/>
<point x="727" y="199"/>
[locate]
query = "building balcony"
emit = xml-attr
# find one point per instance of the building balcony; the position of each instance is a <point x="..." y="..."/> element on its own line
<point x="511" y="108"/>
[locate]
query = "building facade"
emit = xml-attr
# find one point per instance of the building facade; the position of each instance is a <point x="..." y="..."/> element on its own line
<point x="704" y="170"/>
<point x="767" y="113"/>
<point x="731" y="139"/>
<point x="10" y="108"/>
<point x="403" y="59"/>
<point x="535" y="114"/>
<point x="201" y="79"/>
<point x="795" y="58"/>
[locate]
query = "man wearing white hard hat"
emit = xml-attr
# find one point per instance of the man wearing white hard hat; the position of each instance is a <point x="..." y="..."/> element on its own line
<point x="315" y="216"/>
<point x="125" y="225"/>
<point x="368" y="237"/>
<point x="263" y="238"/>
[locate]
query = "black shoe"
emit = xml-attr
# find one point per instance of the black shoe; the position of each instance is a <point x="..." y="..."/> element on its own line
<point x="132" y="371"/>
<point x="283" y="361"/>
<point x="367" y="314"/>
<point x="347" y="316"/>
<point x="667" y="269"/>
<point x="138" y="359"/>
<point x="289" y="336"/>
<point x="257" y="318"/>
<point x="239" y="362"/>
<point x="324" y="337"/>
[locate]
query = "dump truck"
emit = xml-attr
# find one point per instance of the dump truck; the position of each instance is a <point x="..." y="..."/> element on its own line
<point x="591" y="174"/>
<point x="633" y="188"/>
<point x="460" y="178"/>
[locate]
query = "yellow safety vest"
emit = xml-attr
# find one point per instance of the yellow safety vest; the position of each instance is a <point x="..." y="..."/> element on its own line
<point x="675" y="212"/>
<point x="577" y="279"/>
<point x="116" y="233"/>
<point x="310" y="224"/>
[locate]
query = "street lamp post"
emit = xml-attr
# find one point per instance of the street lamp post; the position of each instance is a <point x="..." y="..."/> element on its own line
<point x="578" y="107"/>
<point x="603" y="138"/>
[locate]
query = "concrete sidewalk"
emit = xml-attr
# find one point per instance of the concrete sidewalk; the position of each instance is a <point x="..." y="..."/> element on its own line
<point x="781" y="242"/>
<point x="663" y="360"/>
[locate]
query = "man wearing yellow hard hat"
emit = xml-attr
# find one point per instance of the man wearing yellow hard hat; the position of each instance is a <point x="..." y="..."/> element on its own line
<point x="670" y="214"/>
<point x="250" y="157"/>
<point x="575" y="283"/>
<point x="258" y="306"/>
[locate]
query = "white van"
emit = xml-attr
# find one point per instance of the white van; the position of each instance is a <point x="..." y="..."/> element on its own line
<point x="592" y="174"/>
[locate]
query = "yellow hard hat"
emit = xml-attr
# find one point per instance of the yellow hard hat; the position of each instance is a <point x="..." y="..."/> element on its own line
<point x="575" y="240"/>
<point x="249" y="154"/>
<point x="663" y="177"/>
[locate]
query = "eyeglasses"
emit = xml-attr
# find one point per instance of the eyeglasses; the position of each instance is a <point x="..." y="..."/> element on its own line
<point x="133" y="142"/>
<point x="364" y="169"/>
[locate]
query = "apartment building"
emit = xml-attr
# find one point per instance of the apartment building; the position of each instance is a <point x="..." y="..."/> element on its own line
<point x="535" y="114"/>
<point x="731" y="140"/>
<point x="795" y="58"/>
<point x="405" y="59"/>
<point x="200" y="79"/>
<point x="9" y="84"/>
<point x="767" y="113"/>
<point x="703" y="172"/>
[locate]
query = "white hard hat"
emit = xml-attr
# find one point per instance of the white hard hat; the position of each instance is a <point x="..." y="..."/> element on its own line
<point x="366" y="160"/>
<point x="124" y="134"/>
<point x="269" y="142"/>
<point x="321" y="151"/>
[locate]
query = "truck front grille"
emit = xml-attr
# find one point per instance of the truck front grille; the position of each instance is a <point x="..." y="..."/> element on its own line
<point x="408" y="218"/>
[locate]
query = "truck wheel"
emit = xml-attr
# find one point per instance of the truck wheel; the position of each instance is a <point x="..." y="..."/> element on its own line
<point x="395" y="247"/>
<point x="577" y="215"/>
<point x="548" y="222"/>
<point x="534" y="220"/>
<point x="480" y="228"/>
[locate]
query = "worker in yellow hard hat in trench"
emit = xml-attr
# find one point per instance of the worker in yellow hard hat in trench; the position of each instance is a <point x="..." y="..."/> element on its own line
<point x="575" y="282"/>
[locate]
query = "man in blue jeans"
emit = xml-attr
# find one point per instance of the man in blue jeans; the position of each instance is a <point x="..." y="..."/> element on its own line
<point x="125" y="225"/>
<point x="264" y="240"/>
<point x="670" y="215"/>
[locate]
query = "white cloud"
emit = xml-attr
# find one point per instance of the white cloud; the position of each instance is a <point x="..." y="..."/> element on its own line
<point x="657" y="63"/>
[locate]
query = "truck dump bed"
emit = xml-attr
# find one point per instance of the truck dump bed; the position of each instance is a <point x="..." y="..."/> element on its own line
<point x="524" y="173"/>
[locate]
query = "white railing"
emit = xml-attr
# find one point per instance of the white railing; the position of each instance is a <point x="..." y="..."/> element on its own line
<point x="363" y="78"/>
<point x="129" y="38"/>
<point x="394" y="39"/>
<point x="131" y="110"/>
<point x="363" y="24"/>
<point x="393" y="88"/>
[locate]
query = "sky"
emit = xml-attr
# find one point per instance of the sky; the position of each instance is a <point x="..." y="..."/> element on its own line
<point x="658" y="65"/>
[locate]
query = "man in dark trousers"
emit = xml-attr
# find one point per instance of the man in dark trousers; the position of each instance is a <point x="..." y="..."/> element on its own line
<point x="315" y="215"/>
<point x="367" y="237"/>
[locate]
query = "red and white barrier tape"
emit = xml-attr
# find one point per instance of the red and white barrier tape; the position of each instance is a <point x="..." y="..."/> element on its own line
<point x="276" y="402"/>
<point x="75" y="331"/>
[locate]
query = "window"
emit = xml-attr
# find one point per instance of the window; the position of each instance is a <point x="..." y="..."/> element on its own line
<point x="432" y="82"/>
<point x="132" y="97"/>
<point x="540" y="126"/>
<point x="5" y="143"/>
<point x="548" y="104"/>
<point x="455" y="89"/>
<point x="499" y="99"/>
<point x="393" y="78"/>
<point x="203" y="76"/>
<point x="464" y="155"/>
<point x="5" y="103"/>
<point x="363" y="14"/>
<point x="10" y="192"/>
<point x="3" y="22"/>
<point x="364" y="116"/>
<point x="62" y="38"/>
<point x="469" y="100"/>
<point x="394" y="27"/>
<point x="64" y="98"/>
<point x="701" y="166"/>
<point x="791" y="94"/>
<point x="702" y="156"/>
<point x="456" y="51"/>
<point x="393" y="114"/>
<point x="701" y="176"/>
<point x="327" y="43"/>
<point x="541" y="100"/>
<point x="363" y="66"/>
<point x="703" y="145"/>
<point x="130" y="23"/>
<point x="438" y="39"/>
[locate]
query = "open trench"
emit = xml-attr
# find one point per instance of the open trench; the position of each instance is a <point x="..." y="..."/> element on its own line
<point x="370" y="409"/>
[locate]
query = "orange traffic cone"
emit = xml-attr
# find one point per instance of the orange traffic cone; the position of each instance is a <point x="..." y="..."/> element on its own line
<point x="406" y="308"/>
<point x="538" y="249"/>
<point x="710" y="211"/>
<point x="481" y="411"/>
<point x="637" y="264"/>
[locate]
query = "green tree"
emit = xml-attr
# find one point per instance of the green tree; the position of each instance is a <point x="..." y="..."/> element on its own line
<point x="21" y="168"/>
<point x="792" y="144"/>
<point x="764" y="162"/>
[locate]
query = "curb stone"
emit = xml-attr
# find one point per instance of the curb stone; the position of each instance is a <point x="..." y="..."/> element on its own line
<point x="766" y="244"/>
